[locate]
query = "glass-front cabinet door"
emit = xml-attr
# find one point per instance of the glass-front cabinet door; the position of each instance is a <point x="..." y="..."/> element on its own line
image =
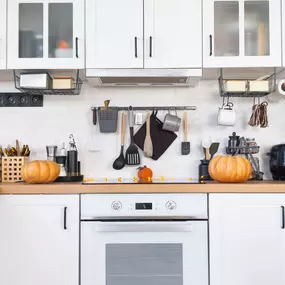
<point x="242" y="33"/>
<point x="3" y="26"/>
<point x="46" y="34"/>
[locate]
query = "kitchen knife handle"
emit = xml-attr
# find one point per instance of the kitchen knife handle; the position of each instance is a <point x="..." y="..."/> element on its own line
<point x="282" y="217"/>
<point x="211" y="45"/>
<point x="131" y="117"/>
<point x="150" y="46"/>
<point x="65" y="218"/>
<point x="76" y="47"/>
<point x="136" y="47"/>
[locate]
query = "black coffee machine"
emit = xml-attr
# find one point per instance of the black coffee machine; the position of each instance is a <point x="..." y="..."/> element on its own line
<point x="277" y="162"/>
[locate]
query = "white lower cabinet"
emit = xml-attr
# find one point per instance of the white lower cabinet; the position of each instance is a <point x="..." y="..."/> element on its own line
<point x="39" y="239"/>
<point x="247" y="239"/>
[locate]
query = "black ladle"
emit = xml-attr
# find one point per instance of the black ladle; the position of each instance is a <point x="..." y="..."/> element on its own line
<point x="119" y="163"/>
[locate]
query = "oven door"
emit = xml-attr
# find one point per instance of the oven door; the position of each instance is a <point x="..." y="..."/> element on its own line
<point x="144" y="253"/>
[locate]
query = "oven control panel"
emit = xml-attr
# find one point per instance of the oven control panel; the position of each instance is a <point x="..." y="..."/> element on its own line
<point x="128" y="205"/>
<point x="143" y="206"/>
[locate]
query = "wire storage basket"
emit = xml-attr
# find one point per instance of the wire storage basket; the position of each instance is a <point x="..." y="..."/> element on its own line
<point x="247" y="87"/>
<point x="75" y="90"/>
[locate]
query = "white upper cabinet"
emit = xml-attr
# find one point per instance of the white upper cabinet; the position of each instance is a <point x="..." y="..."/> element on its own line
<point x="114" y="34"/>
<point x="173" y="33"/>
<point x="241" y="33"/>
<point x="143" y="34"/>
<point x="39" y="240"/>
<point x="247" y="239"/>
<point x="3" y="26"/>
<point x="46" y="34"/>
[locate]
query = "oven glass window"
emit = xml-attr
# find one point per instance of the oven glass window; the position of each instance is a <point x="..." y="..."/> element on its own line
<point x="144" y="264"/>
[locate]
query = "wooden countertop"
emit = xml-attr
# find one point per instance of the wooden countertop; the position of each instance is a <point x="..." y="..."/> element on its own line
<point x="77" y="188"/>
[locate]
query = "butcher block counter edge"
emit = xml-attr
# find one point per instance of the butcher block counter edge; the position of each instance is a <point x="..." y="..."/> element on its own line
<point x="77" y="188"/>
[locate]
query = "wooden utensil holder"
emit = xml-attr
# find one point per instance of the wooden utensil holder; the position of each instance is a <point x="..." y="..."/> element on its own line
<point x="11" y="168"/>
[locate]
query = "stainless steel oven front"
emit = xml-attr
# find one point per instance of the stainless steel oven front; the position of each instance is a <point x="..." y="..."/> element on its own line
<point x="157" y="239"/>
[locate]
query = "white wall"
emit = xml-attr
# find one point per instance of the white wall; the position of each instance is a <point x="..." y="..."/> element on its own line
<point x="62" y="115"/>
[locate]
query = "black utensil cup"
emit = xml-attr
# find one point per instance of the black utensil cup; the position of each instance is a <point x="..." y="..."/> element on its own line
<point x="204" y="171"/>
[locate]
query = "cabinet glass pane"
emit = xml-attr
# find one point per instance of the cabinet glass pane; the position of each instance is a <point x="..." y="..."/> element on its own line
<point x="30" y="30"/>
<point x="226" y="28"/>
<point x="256" y="37"/>
<point x="61" y="30"/>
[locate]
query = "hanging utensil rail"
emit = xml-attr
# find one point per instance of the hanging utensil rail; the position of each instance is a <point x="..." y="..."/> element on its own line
<point x="158" y="108"/>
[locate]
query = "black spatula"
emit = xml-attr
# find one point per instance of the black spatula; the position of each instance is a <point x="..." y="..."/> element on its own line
<point x="185" y="146"/>
<point x="132" y="153"/>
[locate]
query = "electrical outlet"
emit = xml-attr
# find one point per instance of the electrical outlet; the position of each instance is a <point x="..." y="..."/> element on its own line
<point x="20" y="100"/>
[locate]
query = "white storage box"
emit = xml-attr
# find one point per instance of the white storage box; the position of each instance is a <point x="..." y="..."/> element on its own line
<point x="235" y="85"/>
<point x="259" y="86"/>
<point x="35" y="80"/>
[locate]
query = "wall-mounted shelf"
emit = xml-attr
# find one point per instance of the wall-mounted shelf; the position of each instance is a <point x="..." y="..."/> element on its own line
<point x="31" y="91"/>
<point x="249" y="88"/>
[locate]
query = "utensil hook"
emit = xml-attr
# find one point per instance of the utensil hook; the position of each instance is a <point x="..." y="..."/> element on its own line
<point x="172" y="108"/>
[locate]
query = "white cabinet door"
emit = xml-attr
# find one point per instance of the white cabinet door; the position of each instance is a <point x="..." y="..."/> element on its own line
<point x="46" y="34"/>
<point x="114" y="34"/>
<point x="247" y="239"/>
<point x="39" y="240"/>
<point x="3" y="25"/>
<point x="173" y="34"/>
<point x="283" y="31"/>
<point x="243" y="33"/>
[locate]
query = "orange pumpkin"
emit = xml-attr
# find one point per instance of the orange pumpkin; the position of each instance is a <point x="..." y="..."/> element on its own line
<point x="231" y="169"/>
<point x="145" y="175"/>
<point x="40" y="171"/>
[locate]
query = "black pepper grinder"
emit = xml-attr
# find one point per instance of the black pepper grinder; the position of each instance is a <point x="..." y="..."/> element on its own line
<point x="72" y="158"/>
<point x="233" y="143"/>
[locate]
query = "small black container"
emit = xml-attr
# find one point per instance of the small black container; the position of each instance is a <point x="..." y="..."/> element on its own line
<point x="203" y="171"/>
<point x="72" y="163"/>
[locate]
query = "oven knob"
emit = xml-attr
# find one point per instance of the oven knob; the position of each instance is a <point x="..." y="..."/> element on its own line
<point x="171" y="205"/>
<point x="116" y="206"/>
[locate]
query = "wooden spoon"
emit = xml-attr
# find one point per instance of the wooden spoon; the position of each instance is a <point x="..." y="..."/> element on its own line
<point x="148" y="147"/>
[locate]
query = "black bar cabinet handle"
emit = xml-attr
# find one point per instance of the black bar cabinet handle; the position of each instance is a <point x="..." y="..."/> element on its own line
<point x="76" y="47"/>
<point x="65" y="218"/>
<point x="136" y="47"/>
<point x="211" y="45"/>
<point x="150" y="46"/>
<point x="282" y="217"/>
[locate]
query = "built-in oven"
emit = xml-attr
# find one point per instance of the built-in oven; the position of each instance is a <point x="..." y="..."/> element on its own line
<point x="142" y="239"/>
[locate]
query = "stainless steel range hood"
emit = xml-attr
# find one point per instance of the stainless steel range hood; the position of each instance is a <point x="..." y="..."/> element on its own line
<point x="143" y="77"/>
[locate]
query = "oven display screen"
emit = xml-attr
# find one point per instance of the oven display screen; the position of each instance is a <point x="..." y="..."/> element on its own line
<point x="143" y="206"/>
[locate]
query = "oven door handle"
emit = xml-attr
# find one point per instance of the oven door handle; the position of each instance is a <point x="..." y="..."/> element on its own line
<point x="144" y="226"/>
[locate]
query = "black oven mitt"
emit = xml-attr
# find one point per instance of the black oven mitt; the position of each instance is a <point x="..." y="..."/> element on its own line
<point x="161" y="140"/>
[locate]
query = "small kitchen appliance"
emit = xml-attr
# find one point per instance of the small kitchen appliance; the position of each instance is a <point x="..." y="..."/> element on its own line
<point x="144" y="239"/>
<point x="277" y="162"/>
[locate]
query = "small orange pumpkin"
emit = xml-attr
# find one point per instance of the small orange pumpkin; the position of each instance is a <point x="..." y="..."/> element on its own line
<point x="230" y="169"/>
<point x="145" y="175"/>
<point x="40" y="171"/>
